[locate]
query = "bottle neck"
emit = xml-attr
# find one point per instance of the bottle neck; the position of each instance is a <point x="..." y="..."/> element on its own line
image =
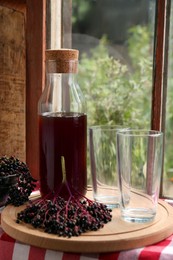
<point x="62" y="87"/>
<point x="62" y="92"/>
<point x="62" y="78"/>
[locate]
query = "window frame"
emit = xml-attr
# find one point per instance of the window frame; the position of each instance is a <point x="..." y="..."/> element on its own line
<point x="35" y="49"/>
<point x="160" y="70"/>
<point x="35" y="13"/>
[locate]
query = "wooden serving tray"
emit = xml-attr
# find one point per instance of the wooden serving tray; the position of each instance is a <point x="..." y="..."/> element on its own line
<point x="117" y="235"/>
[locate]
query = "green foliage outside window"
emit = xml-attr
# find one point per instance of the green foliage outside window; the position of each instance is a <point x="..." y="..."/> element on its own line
<point x="115" y="93"/>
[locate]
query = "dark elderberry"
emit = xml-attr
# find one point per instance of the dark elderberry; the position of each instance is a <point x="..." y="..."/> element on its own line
<point x="65" y="218"/>
<point x="17" y="194"/>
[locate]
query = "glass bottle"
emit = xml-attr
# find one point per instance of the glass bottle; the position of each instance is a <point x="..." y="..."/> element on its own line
<point x="62" y="126"/>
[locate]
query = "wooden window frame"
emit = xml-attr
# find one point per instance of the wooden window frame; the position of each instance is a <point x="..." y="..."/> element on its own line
<point x="35" y="49"/>
<point x="160" y="69"/>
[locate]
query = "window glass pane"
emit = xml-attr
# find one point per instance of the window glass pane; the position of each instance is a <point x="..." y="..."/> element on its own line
<point x="168" y="162"/>
<point x="115" y="39"/>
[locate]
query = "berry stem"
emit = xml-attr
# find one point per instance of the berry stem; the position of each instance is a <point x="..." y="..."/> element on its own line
<point x="64" y="176"/>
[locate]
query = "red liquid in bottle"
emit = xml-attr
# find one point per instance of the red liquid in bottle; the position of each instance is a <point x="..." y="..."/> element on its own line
<point x="63" y="134"/>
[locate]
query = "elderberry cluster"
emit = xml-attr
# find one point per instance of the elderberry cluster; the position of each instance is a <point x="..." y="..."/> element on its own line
<point x="17" y="194"/>
<point x="65" y="218"/>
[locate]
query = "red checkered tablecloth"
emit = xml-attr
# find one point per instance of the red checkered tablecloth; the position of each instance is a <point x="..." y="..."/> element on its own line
<point x="11" y="249"/>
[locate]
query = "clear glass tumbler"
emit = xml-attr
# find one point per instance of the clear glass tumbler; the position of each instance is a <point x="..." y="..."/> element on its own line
<point x="139" y="164"/>
<point x="102" y="139"/>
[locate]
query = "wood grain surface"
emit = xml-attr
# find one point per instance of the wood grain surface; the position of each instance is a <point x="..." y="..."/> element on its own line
<point x="12" y="83"/>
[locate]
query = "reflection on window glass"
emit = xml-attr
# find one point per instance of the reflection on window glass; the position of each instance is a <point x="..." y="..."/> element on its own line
<point x="115" y="39"/>
<point x="168" y="166"/>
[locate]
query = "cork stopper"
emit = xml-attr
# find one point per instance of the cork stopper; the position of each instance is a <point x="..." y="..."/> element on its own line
<point x="62" y="60"/>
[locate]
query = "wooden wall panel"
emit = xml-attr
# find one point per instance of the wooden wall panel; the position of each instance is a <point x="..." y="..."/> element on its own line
<point x="22" y="46"/>
<point x="12" y="83"/>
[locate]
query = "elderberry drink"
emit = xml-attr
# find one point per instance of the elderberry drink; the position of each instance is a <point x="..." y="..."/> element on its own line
<point x="62" y="128"/>
<point x="62" y="135"/>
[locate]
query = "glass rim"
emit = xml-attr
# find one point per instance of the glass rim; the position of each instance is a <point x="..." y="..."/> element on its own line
<point x="139" y="132"/>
